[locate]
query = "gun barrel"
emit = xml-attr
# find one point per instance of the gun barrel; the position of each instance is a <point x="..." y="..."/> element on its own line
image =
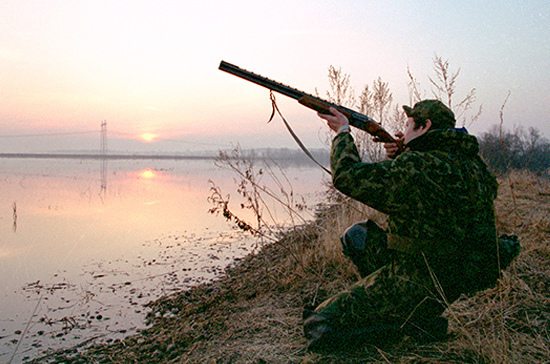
<point x="262" y="81"/>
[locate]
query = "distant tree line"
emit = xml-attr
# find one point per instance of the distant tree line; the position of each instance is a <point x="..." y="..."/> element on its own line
<point x="286" y="156"/>
<point x="505" y="150"/>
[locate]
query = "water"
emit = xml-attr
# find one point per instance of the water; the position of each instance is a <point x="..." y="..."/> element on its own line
<point x="83" y="247"/>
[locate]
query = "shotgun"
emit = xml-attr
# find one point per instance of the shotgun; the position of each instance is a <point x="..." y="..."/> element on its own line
<point x="356" y="119"/>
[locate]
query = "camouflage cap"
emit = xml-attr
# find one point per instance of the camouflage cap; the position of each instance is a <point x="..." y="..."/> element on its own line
<point x="440" y="115"/>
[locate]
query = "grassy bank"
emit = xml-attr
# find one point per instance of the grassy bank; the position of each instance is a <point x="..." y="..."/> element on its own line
<point x="253" y="313"/>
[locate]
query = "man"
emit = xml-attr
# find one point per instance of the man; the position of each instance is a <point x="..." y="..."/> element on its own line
<point x="440" y="241"/>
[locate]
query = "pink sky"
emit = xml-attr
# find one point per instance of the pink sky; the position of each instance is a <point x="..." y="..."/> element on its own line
<point x="151" y="66"/>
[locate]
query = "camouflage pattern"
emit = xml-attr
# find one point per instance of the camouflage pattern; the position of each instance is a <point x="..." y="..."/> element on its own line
<point x="441" y="116"/>
<point x="439" y="200"/>
<point x="394" y="294"/>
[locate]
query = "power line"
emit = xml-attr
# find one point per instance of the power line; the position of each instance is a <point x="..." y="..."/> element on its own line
<point x="178" y="141"/>
<point x="48" y="134"/>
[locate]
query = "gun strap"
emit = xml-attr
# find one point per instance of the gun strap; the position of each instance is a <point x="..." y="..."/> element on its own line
<point x="296" y="139"/>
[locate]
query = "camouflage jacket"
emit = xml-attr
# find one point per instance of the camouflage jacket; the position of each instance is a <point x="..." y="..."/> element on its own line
<point x="438" y="196"/>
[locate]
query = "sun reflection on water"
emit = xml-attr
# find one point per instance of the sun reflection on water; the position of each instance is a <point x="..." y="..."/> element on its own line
<point x="147" y="232"/>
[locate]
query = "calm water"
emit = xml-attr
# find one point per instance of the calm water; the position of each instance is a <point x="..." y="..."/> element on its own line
<point x="81" y="251"/>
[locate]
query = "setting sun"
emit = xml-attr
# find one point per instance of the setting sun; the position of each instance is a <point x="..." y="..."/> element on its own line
<point x="147" y="174"/>
<point x="148" y="137"/>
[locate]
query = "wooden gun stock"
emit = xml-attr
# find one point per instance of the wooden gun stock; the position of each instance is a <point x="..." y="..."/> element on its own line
<point x="370" y="126"/>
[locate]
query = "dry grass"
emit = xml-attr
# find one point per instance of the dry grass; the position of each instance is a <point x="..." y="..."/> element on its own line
<point x="253" y="313"/>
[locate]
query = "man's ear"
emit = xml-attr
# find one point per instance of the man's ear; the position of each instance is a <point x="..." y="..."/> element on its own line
<point x="428" y="125"/>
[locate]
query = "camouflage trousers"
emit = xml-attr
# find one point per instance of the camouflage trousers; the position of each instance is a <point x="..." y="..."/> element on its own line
<point x="393" y="290"/>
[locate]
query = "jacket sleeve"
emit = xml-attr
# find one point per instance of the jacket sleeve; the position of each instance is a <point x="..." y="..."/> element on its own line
<point x="369" y="183"/>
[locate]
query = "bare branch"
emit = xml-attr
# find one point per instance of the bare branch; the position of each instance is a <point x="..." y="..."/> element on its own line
<point x="414" y="92"/>
<point x="341" y="92"/>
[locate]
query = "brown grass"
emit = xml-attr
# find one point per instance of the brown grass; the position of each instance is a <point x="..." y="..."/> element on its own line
<point x="253" y="313"/>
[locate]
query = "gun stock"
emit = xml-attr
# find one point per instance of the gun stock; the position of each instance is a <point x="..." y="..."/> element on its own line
<point x="355" y="119"/>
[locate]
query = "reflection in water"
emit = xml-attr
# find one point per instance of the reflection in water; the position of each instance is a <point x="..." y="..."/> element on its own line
<point x="88" y="257"/>
<point x="103" y="157"/>
<point x="15" y="217"/>
<point x="103" y="175"/>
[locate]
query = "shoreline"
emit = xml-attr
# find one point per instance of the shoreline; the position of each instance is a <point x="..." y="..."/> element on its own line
<point x="252" y="313"/>
<point x="100" y="157"/>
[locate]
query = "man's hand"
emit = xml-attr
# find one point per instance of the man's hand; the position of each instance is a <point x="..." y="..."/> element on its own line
<point x="392" y="150"/>
<point x="336" y="120"/>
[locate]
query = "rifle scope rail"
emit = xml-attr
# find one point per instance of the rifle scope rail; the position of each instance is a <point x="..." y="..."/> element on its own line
<point x="263" y="81"/>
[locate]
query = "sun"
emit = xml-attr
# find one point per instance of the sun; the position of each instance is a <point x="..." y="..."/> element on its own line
<point x="148" y="137"/>
<point x="147" y="174"/>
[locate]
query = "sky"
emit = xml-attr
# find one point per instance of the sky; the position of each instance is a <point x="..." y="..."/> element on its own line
<point x="149" y="69"/>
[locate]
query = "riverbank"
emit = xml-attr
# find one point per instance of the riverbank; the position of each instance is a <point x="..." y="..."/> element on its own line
<point x="252" y="314"/>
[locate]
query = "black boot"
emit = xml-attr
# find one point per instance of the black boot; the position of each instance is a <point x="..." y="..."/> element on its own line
<point x="322" y="336"/>
<point x="316" y="330"/>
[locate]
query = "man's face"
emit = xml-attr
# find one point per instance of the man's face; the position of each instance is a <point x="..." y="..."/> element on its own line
<point x="410" y="132"/>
